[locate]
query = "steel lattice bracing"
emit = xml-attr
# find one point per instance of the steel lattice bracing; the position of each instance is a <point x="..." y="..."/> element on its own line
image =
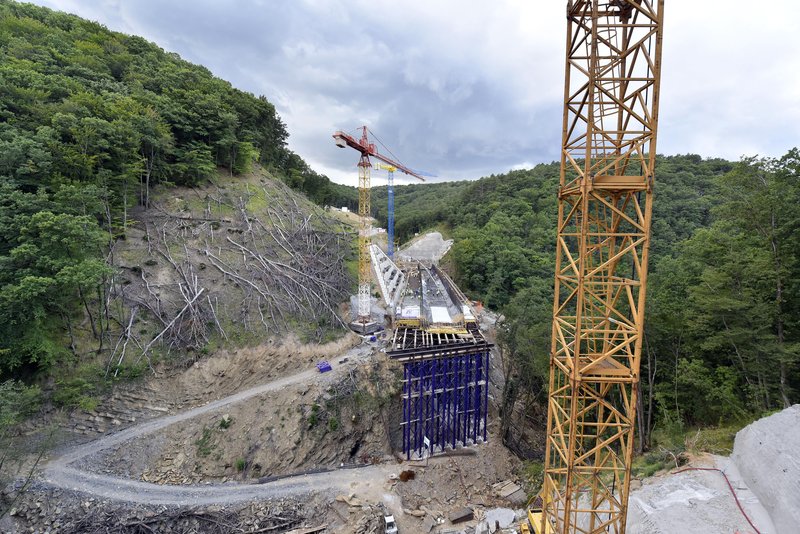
<point x="390" y="214"/>
<point x="605" y="206"/>
<point x="366" y="149"/>
<point x="364" y="231"/>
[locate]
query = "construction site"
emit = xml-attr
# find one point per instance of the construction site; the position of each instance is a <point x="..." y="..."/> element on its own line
<point x="395" y="425"/>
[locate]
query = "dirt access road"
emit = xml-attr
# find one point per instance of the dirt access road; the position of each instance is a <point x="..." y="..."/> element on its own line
<point x="430" y="247"/>
<point x="58" y="472"/>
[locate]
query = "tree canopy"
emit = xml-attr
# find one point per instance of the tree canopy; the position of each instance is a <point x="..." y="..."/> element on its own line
<point x="722" y="319"/>
<point x="90" y="121"/>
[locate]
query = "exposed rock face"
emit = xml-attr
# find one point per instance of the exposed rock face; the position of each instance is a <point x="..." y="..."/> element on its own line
<point x="764" y="472"/>
<point x="767" y="453"/>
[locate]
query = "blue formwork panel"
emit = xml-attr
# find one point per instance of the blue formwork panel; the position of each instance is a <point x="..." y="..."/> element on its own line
<point x="445" y="403"/>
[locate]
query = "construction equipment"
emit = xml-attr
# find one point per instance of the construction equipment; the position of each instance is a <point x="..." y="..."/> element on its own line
<point x="390" y="208"/>
<point x="390" y="204"/>
<point x="363" y="323"/>
<point x="613" y="65"/>
<point x="389" y="525"/>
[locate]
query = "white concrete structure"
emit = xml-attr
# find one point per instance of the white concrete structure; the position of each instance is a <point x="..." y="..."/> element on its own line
<point x="390" y="278"/>
<point x="429" y="248"/>
<point x="764" y="471"/>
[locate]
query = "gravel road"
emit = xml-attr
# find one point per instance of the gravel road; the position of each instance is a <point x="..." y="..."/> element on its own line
<point x="58" y="471"/>
<point x="428" y="247"/>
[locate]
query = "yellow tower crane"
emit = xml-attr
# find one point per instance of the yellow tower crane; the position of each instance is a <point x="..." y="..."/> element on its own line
<point x="363" y="323"/>
<point x="605" y="204"/>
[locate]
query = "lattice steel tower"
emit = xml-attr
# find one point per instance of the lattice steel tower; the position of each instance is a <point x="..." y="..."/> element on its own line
<point x="608" y="153"/>
<point x="366" y="148"/>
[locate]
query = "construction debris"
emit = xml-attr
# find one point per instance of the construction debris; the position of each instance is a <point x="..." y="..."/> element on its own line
<point x="53" y="510"/>
<point x="461" y="515"/>
<point x="407" y="475"/>
<point x="509" y="491"/>
<point x="498" y="518"/>
<point x="310" y="530"/>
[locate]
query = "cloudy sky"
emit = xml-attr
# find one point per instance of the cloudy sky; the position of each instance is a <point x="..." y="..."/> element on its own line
<point x="463" y="89"/>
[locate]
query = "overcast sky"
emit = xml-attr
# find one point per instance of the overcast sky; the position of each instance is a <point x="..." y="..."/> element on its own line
<point x="463" y="89"/>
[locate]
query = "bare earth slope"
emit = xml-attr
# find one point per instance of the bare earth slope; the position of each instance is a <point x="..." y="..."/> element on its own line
<point x="228" y="263"/>
<point x="59" y="472"/>
<point x="349" y="500"/>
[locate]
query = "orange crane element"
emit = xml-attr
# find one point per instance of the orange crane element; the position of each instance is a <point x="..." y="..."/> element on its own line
<point x="367" y="149"/>
<point x="611" y="94"/>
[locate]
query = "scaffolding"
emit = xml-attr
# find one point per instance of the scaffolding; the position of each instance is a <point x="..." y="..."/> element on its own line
<point x="445" y="365"/>
<point x="445" y="389"/>
<point x="445" y="402"/>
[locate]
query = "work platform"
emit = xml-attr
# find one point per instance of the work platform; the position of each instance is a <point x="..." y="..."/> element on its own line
<point x="445" y="365"/>
<point x="414" y="344"/>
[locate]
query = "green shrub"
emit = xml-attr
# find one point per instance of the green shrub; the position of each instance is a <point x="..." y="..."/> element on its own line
<point x="226" y="421"/>
<point x="314" y="417"/>
<point x="17" y="401"/>
<point x="205" y="444"/>
<point x="534" y="475"/>
<point x="75" y="393"/>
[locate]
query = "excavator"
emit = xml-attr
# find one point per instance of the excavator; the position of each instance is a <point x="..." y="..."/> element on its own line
<point x="605" y="199"/>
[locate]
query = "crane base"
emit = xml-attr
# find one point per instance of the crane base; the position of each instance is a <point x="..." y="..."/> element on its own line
<point x="535" y="522"/>
<point x="369" y="327"/>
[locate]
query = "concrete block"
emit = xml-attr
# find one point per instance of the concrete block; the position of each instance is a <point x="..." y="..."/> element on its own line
<point x="499" y="517"/>
<point x="461" y="515"/>
<point x="767" y="453"/>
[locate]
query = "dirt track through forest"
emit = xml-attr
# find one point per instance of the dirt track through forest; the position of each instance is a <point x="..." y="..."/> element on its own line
<point x="58" y="472"/>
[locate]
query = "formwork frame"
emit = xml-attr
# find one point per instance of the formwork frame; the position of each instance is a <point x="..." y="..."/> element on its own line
<point x="613" y="66"/>
<point x="445" y="400"/>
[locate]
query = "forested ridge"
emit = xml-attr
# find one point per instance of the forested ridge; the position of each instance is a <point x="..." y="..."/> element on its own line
<point x="91" y="121"/>
<point x="722" y="342"/>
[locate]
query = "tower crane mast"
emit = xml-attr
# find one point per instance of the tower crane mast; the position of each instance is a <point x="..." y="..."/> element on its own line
<point x="605" y="204"/>
<point x="389" y="207"/>
<point x="366" y="149"/>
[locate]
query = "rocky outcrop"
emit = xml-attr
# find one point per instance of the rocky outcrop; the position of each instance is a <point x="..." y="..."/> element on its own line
<point x="767" y="453"/>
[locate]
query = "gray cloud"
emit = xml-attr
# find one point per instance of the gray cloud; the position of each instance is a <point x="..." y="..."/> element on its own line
<point x="468" y="89"/>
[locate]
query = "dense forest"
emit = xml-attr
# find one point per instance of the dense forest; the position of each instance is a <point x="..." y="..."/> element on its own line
<point x="90" y="122"/>
<point x="722" y="340"/>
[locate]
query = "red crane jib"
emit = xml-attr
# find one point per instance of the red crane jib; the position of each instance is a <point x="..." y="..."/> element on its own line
<point x="368" y="149"/>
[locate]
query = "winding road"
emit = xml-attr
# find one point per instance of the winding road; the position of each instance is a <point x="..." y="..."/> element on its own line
<point x="59" y="472"/>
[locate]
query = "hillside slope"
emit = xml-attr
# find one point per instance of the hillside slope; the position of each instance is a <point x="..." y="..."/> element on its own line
<point x="230" y="261"/>
<point x="91" y="123"/>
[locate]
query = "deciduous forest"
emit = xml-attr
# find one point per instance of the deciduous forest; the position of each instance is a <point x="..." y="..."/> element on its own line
<point x="722" y="341"/>
<point x="92" y="121"/>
